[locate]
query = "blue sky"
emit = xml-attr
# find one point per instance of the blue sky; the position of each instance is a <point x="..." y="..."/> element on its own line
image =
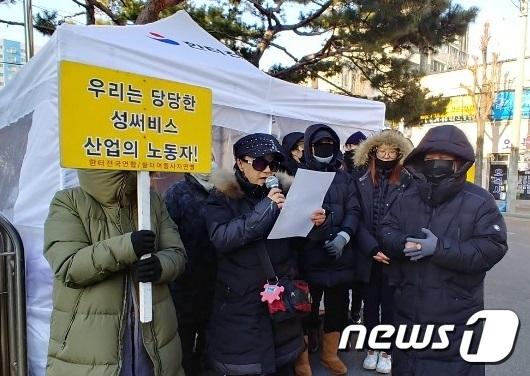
<point x="503" y="16"/>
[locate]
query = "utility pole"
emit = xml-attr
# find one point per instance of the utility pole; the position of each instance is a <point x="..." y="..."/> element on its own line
<point x="513" y="170"/>
<point x="28" y="28"/>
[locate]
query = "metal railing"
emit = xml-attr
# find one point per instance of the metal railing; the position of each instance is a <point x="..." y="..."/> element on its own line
<point x="13" y="337"/>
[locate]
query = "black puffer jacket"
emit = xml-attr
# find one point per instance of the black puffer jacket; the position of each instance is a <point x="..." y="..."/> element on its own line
<point x="373" y="209"/>
<point x="341" y="204"/>
<point x="366" y="242"/>
<point x="448" y="287"/>
<point x="243" y="339"/>
<point x="192" y="292"/>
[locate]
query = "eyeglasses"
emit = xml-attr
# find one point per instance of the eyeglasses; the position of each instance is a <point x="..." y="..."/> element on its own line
<point x="381" y="153"/>
<point x="260" y="164"/>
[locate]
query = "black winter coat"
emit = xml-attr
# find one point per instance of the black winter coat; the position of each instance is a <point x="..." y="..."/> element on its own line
<point x="447" y="287"/>
<point x="366" y="242"/>
<point x="192" y="291"/>
<point x="243" y="339"/>
<point x="343" y="211"/>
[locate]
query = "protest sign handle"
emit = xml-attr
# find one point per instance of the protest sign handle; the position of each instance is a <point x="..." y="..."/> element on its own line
<point x="144" y="223"/>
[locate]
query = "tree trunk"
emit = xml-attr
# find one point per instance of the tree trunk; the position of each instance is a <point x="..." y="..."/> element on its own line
<point x="152" y="8"/>
<point x="90" y="14"/>
<point x="479" y="155"/>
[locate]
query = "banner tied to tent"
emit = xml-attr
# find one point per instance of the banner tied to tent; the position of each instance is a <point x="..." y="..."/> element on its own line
<point x="122" y="121"/>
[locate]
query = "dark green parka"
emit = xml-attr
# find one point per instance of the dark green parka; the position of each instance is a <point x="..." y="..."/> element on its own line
<point x="87" y="241"/>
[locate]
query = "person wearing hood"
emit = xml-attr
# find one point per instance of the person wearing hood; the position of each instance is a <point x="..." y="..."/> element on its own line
<point x="442" y="237"/>
<point x="380" y="181"/>
<point x="243" y="339"/>
<point x="293" y="149"/>
<point x="327" y="265"/>
<point x="94" y="248"/>
<point x="350" y="147"/>
<point x="193" y="291"/>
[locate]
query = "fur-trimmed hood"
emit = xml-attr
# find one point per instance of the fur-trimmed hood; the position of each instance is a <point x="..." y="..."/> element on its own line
<point x="225" y="182"/>
<point x="388" y="137"/>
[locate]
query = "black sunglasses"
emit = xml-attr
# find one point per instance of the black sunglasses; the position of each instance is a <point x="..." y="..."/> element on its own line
<point x="260" y="164"/>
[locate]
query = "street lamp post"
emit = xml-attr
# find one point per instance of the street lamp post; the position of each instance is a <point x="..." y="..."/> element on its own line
<point x="28" y="26"/>
<point x="513" y="171"/>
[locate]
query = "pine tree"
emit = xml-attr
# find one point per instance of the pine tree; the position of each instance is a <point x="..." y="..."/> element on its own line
<point x="369" y="35"/>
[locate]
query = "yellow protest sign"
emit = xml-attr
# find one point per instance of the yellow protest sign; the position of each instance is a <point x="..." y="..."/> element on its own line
<point x="122" y="121"/>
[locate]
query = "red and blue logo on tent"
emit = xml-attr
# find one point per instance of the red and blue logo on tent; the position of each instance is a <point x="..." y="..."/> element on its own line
<point x="163" y="39"/>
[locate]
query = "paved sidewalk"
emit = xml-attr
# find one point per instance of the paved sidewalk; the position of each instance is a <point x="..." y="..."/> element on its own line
<point x="520" y="212"/>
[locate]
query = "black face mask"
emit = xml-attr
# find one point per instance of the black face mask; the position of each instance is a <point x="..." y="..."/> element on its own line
<point x="436" y="170"/>
<point x="349" y="154"/>
<point x="324" y="150"/>
<point x="385" y="165"/>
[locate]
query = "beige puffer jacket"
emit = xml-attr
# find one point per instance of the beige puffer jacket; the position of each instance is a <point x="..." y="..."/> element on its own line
<point x="87" y="241"/>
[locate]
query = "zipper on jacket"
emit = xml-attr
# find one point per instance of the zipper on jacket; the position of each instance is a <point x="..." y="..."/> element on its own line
<point x="433" y="212"/>
<point x="157" y="353"/>
<point x="125" y="314"/>
<point x="74" y="313"/>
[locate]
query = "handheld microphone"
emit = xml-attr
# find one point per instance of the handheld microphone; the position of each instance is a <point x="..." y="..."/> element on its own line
<point x="272" y="182"/>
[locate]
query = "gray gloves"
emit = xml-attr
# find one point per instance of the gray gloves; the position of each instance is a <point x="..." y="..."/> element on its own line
<point x="428" y="246"/>
<point x="334" y="247"/>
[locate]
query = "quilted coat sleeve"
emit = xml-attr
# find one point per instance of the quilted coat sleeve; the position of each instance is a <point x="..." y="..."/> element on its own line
<point x="67" y="247"/>
<point x="171" y="251"/>
<point x="228" y="232"/>
<point x="352" y="210"/>
<point x="486" y="246"/>
<point x="392" y="239"/>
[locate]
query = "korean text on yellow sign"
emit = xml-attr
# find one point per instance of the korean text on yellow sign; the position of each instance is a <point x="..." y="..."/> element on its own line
<point x="123" y="121"/>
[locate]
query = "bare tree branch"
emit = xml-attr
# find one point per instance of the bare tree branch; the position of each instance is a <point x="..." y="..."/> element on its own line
<point x="306" y="21"/>
<point x="281" y="48"/>
<point x="81" y="4"/>
<point x="12" y="22"/>
<point x="483" y="95"/>
<point x="347" y="92"/>
<point x="267" y="12"/>
<point x="107" y="11"/>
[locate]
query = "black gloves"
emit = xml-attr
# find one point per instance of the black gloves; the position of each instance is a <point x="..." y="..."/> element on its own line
<point x="148" y="270"/>
<point x="143" y="242"/>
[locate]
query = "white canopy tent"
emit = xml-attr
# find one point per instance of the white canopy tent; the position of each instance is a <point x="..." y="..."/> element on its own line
<point x="245" y="100"/>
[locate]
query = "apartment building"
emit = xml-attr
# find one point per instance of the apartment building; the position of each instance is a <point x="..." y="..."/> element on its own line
<point x="12" y="57"/>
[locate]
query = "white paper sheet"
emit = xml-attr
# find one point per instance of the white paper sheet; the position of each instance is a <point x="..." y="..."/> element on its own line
<point x="305" y="196"/>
